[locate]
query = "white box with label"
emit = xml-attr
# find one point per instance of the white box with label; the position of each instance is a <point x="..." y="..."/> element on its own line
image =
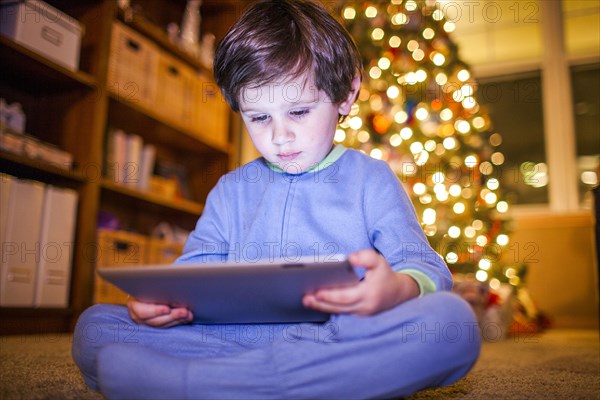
<point x="43" y="29"/>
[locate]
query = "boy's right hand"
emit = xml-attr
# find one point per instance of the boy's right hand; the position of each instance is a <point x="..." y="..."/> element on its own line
<point x="158" y="315"/>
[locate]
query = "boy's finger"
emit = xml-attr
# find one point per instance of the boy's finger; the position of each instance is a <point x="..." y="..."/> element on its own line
<point x="332" y="308"/>
<point x="160" y="322"/>
<point x="146" y="311"/>
<point x="175" y="317"/>
<point x="348" y="295"/>
<point x="365" y="258"/>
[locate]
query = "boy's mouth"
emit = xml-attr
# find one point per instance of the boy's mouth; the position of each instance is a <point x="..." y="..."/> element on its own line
<point x="288" y="156"/>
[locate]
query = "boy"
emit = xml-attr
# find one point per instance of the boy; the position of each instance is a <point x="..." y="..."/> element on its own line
<point x="293" y="72"/>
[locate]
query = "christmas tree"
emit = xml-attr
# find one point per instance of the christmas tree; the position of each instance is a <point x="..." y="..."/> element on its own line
<point x="418" y="110"/>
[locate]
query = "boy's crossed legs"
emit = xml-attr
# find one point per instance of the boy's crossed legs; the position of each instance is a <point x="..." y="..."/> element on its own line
<point x="425" y="342"/>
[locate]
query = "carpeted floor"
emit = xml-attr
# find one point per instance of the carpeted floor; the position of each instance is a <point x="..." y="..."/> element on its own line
<point x="556" y="365"/>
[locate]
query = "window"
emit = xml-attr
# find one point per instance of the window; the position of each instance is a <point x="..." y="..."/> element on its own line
<point x="585" y="82"/>
<point x="557" y="131"/>
<point x="514" y="104"/>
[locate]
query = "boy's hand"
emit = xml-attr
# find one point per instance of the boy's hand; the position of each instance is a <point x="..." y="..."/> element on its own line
<point x="158" y="315"/>
<point x="381" y="289"/>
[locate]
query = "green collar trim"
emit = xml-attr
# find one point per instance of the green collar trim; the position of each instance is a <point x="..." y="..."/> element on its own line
<point x="332" y="157"/>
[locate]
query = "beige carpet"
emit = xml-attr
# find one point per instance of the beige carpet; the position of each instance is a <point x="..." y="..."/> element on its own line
<point x="556" y="365"/>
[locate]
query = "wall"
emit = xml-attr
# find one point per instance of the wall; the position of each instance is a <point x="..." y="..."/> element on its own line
<point x="563" y="269"/>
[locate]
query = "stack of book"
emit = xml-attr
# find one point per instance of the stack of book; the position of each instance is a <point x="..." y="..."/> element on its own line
<point x="37" y="227"/>
<point x="129" y="161"/>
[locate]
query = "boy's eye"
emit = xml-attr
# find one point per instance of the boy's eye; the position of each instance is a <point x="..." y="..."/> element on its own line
<point x="259" y="118"/>
<point x="299" y="113"/>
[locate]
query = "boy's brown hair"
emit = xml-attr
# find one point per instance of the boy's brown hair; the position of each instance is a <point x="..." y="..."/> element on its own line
<point x="277" y="39"/>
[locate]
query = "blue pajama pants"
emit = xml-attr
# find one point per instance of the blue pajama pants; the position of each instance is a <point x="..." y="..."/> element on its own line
<point x="426" y="342"/>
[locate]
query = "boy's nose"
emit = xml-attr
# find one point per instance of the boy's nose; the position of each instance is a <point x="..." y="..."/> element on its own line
<point x="282" y="135"/>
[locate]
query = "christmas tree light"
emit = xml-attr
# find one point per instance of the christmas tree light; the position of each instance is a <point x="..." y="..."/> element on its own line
<point x="418" y="110"/>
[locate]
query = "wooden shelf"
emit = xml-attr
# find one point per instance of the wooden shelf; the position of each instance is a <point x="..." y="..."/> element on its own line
<point x="75" y="111"/>
<point x="28" y="168"/>
<point x="37" y="72"/>
<point x="180" y="205"/>
<point x="166" y="132"/>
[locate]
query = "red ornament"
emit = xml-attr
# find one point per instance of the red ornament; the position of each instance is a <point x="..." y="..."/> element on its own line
<point x="381" y="123"/>
<point x="436" y="105"/>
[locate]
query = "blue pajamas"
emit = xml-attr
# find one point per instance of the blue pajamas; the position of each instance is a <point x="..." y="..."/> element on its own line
<point x="349" y="202"/>
<point x="426" y="342"/>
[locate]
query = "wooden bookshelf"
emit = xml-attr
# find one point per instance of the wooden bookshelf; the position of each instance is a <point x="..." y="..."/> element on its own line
<point x="29" y="168"/>
<point x="136" y="117"/>
<point x="182" y="205"/>
<point x="30" y="68"/>
<point x="75" y="110"/>
<point x="159" y="36"/>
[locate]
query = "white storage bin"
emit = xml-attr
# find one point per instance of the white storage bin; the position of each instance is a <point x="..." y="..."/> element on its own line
<point x="43" y="29"/>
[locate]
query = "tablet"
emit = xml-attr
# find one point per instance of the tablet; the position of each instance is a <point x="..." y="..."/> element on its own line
<point x="233" y="293"/>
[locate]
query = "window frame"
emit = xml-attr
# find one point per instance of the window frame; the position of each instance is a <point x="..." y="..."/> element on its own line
<point x="557" y="106"/>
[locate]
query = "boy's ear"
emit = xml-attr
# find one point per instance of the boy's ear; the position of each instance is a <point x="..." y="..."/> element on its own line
<point x="345" y="105"/>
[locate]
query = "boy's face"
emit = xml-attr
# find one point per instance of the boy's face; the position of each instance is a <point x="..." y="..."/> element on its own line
<point x="291" y="123"/>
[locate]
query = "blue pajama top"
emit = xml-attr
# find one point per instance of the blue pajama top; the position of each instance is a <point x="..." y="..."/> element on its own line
<point x="349" y="202"/>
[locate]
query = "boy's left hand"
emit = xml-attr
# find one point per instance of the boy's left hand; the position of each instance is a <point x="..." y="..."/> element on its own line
<point x="381" y="289"/>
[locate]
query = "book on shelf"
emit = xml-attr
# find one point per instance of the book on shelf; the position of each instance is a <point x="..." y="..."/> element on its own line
<point x="20" y="248"/>
<point x="133" y="160"/>
<point x="128" y="160"/>
<point x="147" y="166"/>
<point x="56" y="244"/>
<point x="37" y="233"/>
<point x="116" y="148"/>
